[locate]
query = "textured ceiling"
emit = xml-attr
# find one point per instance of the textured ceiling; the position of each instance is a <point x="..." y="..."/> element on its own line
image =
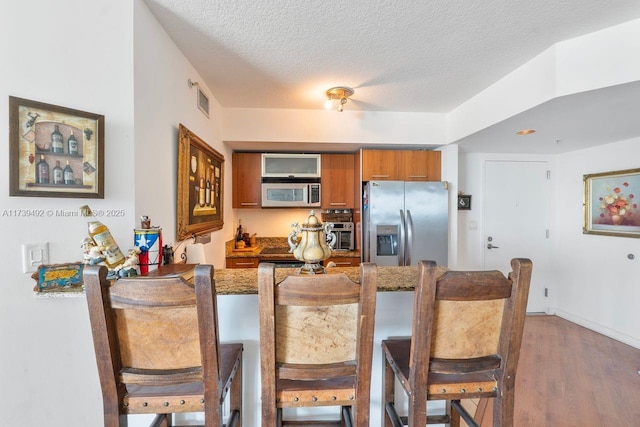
<point x="404" y="56"/>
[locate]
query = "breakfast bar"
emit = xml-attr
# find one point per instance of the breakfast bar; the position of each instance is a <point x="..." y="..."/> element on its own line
<point x="244" y="281"/>
<point x="238" y="317"/>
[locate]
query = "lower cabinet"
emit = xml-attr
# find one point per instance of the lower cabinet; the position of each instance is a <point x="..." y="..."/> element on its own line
<point x="252" y="262"/>
<point x="343" y="261"/>
<point x="249" y="262"/>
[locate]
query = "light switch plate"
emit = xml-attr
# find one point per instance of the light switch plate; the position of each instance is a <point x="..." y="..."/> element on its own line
<point x="33" y="255"/>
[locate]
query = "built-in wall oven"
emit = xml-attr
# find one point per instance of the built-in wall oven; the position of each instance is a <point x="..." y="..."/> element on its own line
<point x="345" y="237"/>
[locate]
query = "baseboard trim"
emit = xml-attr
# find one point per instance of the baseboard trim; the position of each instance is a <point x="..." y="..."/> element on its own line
<point x="611" y="333"/>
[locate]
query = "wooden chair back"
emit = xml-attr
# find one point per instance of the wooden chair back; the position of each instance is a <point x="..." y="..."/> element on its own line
<point x="316" y="341"/>
<point x="466" y="338"/>
<point x="157" y="344"/>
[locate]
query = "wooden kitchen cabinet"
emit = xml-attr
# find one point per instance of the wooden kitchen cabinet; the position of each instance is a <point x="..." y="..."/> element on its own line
<point x="401" y="165"/>
<point x="244" y="262"/>
<point x="419" y="165"/>
<point x="338" y="181"/>
<point x="343" y="261"/>
<point x="246" y="174"/>
<point x="379" y="165"/>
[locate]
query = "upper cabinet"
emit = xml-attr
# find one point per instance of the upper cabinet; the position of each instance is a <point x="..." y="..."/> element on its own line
<point x="340" y="173"/>
<point x="379" y="165"/>
<point x="338" y="181"/>
<point x="419" y="165"/>
<point x="401" y="165"/>
<point x="284" y="165"/>
<point x="246" y="180"/>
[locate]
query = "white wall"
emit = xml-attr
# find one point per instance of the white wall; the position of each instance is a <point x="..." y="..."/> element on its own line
<point x="329" y="126"/>
<point x="597" y="60"/>
<point x="80" y="55"/>
<point x="596" y="284"/>
<point x="593" y="61"/>
<point x="163" y="100"/>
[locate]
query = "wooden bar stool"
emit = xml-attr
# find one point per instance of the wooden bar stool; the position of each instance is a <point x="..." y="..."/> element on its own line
<point x="158" y="351"/>
<point x="465" y="343"/>
<point x="316" y="343"/>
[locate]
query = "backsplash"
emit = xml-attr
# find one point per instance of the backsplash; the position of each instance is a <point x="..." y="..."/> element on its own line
<point x="271" y="222"/>
<point x="276" y="222"/>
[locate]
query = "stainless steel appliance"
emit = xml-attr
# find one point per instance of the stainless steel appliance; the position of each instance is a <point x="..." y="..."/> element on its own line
<point x="290" y="194"/>
<point x="345" y="236"/>
<point x="405" y="222"/>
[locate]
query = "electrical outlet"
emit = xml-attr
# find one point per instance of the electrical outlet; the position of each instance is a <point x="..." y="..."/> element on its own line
<point x="33" y="255"/>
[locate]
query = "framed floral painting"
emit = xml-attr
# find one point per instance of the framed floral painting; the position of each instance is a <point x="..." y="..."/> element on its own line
<point x="611" y="203"/>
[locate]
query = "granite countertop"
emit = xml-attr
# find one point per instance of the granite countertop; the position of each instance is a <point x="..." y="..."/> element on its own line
<point x="244" y="281"/>
<point x="273" y="242"/>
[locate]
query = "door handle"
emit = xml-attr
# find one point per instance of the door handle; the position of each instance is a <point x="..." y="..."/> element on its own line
<point x="409" y="245"/>
<point x="403" y="236"/>
<point x="490" y="246"/>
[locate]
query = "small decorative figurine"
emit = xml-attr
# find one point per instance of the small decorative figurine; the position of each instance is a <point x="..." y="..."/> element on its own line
<point x="130" y="266"/>
<point x="95" y="256"/>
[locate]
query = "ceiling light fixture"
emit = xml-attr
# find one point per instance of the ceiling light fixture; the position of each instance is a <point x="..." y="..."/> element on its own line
<point x="340" y="94"/>
<point x="526" y="131"/>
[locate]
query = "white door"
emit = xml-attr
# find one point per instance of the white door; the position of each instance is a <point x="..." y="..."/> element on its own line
<point x="516" y="217"/>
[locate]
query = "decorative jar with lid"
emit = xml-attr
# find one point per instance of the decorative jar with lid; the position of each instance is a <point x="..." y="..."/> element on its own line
<point x="314" y="243"/>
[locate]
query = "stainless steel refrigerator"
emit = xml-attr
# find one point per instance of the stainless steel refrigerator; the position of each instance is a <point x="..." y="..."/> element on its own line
<point x="405" y="222"/>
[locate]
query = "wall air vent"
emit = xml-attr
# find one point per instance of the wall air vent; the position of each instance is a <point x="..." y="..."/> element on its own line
<point x="203" y="102"/>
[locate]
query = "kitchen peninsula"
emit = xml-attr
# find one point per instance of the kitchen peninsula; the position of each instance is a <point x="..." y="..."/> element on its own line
<point x="238" y="313"/>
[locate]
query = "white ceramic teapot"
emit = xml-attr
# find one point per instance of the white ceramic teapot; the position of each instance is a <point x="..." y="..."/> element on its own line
<point x="314" y="243"/>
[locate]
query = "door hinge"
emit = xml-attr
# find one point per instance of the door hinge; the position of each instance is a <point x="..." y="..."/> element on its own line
<point x="546" y="292"/>
<point x="548" y="174"/>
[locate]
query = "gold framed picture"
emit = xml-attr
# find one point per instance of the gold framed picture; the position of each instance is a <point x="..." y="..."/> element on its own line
<point x="611" y="203"/>
<point x="200" y="186"/>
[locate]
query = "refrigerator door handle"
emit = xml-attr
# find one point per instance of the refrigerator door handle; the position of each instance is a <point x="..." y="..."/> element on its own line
<point x="409" y="245"/>
<point x="401" y="244"/>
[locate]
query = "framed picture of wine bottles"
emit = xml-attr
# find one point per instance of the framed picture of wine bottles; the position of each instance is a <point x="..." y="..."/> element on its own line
<point x="200" y="186"/>
<point x="55" y="151"/>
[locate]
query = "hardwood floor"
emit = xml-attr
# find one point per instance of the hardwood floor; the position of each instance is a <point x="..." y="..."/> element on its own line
<point x="571" y="376"/>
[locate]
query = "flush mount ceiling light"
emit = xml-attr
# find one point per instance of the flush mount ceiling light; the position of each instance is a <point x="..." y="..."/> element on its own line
<point x="526" y="131"/>
<point x="339" y="95"/>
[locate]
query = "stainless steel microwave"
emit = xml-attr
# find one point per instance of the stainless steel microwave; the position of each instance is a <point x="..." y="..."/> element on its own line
<point x="290" y="195"/>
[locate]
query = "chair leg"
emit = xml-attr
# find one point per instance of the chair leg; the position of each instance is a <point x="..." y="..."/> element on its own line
<point x="113" y="418"/>
<point x="235" y="393"/>
<point x="388" y="390"/>
<point x="162" y="420"/>
<point x="503" y="409"/>
<point x="454" y="416"/>
<point x="349" y="417"/>
<point x="271" y="416"/>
